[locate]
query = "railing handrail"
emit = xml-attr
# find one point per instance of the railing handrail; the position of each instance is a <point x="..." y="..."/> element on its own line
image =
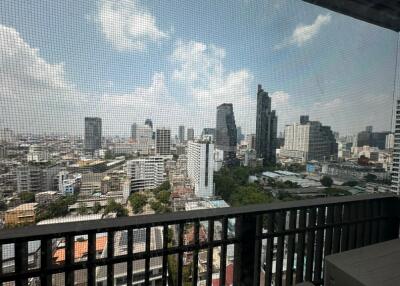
<point x="141" y="221"/>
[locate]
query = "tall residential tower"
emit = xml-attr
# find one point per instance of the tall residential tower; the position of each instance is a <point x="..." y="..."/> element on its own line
<point x="266" y="127"/>
<point x="92" y="134"/>
<point x="225" y="132"/>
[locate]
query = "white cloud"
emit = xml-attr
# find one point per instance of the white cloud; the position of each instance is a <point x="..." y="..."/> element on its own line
<point x="279" y="99"/>
<point x="127" y="25"/>
<point x="36" y="97"/>
<point x="200" y="69"/>
<point x="304" y="33"/>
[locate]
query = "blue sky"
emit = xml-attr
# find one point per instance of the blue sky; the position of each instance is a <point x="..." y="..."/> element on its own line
<point x="175" y="62"/>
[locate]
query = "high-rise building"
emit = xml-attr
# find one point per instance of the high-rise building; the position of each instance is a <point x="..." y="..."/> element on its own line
<point x="225" y="131"/>
<point x="309" y="141"/>
<point x="266" y="127"/>
<point x="92" y="134"/>
<point x="141" y="133"/>
<point x="149" y="123"/>
<point x="251" y="141"/>
<point x="372" y="139"/>
<point x="240" y="135"/>
<point x="181" y="134"/>
<point x="396" y="153"/>
<point x="163" y="141"/>
<point x="389" y="142"/>
<point x="145" y="173"/>
<point x="200" y="167"/>
<point x="190" y="134"/>
<point x="209" y="131"/>
<point x="304" y="119"/>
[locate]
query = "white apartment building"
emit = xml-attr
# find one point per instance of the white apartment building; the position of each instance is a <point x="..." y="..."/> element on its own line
<point x="396" y="153"/>
<point x="145" y="173"/>
<point x="141" y="133"/>
<point x="309" y="141"/>
<point x="200" y="167"/>
<point x="37" y="154"/>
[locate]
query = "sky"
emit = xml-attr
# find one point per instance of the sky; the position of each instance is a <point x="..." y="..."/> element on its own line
<point x="176" y="61"/>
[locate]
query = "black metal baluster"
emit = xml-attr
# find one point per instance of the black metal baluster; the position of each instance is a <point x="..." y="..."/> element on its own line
<point x="329" y="230"/>
<point x="196" y="253"/>
<point x="319" y="244"/>
<point x="360" y="226"/>
<point x="353" y="226"/>
<point x="291" y="247"/>
<point x="180" y="254"/>
<point x="300" y="246"/>
<point x="344" y="243"/>
<point x="375" y="222"/>
<point x="210" y="239"/>
<point x="222" y="262"/>
<point x="129" y="264"/>
<point x="45" y="261"/>
<point x="91" y="260"/>
<point x="110" y="255"/>
<point x="337" y="230"/>
<point x="269" y="253"/>
<point x="280" y="221"/>
<point x="69" y="260"/>
<point x="310" y="244"/>
<point x="147" y="260"/>
<point x="367" y="225"/>
<point x="165" y="256"/>
<point x="21" y="262"/>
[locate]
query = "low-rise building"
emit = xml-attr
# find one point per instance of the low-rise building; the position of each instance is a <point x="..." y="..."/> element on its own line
<point x="45" y="198"/>
<point x="21" y="215"/>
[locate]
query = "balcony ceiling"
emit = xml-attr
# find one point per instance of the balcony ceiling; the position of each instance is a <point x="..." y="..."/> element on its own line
<point x="384" y="13"/>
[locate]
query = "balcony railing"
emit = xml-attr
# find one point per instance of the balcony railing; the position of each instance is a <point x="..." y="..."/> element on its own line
<point x="274" y="244"/>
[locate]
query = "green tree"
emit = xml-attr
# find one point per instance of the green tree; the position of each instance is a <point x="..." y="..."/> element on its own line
<point x="159" y="207"/>
<point x="247" y="195"/>
<point x="82" y="209"/>
<point x="114" y="207"/>
<point x="27" y="197"/>
<point x="109" y="155"/>
<point x="163" y="196"/>
<point x="96" y="208"/>
<point x="326" y="181"/>
<point x="58" y="208"/>
<point x="224" y="186"/>
<point x="137" y="201"/>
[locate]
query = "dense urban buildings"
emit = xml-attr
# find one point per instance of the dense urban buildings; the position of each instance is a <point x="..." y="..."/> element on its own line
<point x="266" y="127"/>
<point x="92" y="134"/>
<point x="145" y="173"/>
<point x="163" y="141"/>
<point x="225" y="131"/>
<point x="372" y="139"/>
<point x="200" y="167"/>
<point x="309" y="140"/>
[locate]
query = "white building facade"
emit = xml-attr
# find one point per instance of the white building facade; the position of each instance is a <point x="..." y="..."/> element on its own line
<point x="145" y="174"/>
<point x="396" y="153"/>
<point x="200" y="167"/>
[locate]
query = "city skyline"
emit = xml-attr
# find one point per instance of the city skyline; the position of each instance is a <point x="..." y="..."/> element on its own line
<point x="178" y="76"/>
